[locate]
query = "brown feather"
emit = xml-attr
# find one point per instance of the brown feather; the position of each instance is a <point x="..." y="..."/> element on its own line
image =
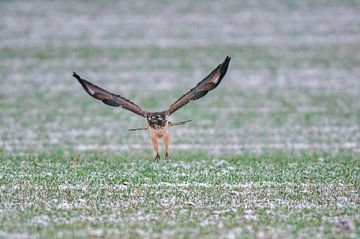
<point x="209" y="83"/>
<point x="108" y="97"/>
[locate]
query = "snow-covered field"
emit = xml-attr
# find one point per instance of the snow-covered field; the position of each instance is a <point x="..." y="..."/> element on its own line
<point x="293" y="86"/>
<point x="293" y="82"/>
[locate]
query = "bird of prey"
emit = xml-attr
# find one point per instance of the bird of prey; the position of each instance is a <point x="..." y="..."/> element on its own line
<point x="157" y="123"/>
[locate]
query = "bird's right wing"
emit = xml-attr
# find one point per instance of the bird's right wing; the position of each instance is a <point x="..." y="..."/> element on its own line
<point x="108" y="97"/>
<point x="209" y="83"/>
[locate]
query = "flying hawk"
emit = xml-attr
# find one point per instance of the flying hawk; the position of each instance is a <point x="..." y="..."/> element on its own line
<point x="157" y="123"/>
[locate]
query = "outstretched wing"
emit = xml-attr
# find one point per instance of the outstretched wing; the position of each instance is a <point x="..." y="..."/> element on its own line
<point x="108" y="97"/>
<point x="209" y="83"/>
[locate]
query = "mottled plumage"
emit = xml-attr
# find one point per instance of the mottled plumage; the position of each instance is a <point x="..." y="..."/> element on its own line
<point x="108" y="97"/>
<point x="157" y="123"/>
<point x="209" y="83"/>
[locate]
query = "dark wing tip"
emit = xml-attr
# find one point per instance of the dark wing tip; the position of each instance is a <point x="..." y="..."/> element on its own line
<point x="225" y="65"/>
<point x="83" y="83"/>
<point x="223" y="69"/>
<point x="76" y="76"/>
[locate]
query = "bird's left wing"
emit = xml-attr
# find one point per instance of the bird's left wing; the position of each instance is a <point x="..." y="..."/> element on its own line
<point x="209" y="83"/>
<point x="108" y="97"/>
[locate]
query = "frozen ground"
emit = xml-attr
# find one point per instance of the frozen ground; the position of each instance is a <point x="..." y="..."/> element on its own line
<point x="293" y="82"/>
<point x="293" y="86"/>
<point x="113" y="196"/>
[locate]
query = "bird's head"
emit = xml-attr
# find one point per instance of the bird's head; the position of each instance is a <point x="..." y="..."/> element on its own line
<point x="156" y="119"/>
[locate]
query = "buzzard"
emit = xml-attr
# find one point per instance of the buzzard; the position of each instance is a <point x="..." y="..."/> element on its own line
<point x="157" y="123"/>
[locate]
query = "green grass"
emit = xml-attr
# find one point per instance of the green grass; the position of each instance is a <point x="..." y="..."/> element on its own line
<point x="192" y="195"/>
<point x="248" y="56"/>
<point x="273" y="152"/>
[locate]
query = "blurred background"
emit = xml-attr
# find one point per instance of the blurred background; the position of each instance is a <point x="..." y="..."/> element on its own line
<point x="293" y="82"/>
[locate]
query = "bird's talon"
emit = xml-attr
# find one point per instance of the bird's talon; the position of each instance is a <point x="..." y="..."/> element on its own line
<point x="167" y="157"/>
<point x="157" y="157"/>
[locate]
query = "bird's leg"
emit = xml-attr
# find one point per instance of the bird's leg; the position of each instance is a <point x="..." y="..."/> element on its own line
<point x="166" y="142"/>
<point x="155" y="145"/>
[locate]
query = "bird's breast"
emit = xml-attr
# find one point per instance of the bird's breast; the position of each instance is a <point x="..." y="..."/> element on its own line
<point x="158" y="130"/>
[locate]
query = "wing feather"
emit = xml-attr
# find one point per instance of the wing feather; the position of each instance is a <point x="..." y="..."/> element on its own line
<point x="209" y="83"/>
<point x="108" y="97"/>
